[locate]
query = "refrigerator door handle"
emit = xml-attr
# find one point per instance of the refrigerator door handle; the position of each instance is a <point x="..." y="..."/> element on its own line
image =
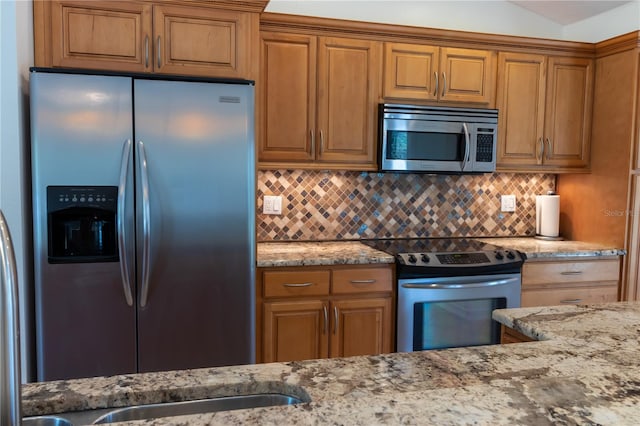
<point x="146" y="225"/>
<point x="120" y="220"/>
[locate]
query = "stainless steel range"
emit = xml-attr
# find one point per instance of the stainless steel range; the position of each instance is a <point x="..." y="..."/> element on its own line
<point x="447" y="289"/>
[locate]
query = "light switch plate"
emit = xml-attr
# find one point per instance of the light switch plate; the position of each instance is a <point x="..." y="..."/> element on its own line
<point x="272" y="204"/>
<point x="508" y="203"/>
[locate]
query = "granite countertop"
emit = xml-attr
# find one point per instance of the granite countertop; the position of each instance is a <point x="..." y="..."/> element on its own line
<point x="270" y="254"/>
<point x="319" y="253"/>
<point x="585" y="370"/>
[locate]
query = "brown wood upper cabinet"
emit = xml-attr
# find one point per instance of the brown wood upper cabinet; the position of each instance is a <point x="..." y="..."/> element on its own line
<point x="431" y="73"/>
<point x="545" y="105"/>
<point x="144" y="37"/>
<point x="317" y="102"/>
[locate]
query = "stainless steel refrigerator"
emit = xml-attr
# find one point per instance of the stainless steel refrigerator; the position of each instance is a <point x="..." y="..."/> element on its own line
<point x="144" y="223"/>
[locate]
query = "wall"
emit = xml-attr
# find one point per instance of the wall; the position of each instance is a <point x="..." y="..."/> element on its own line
<point x="324" y="205"/>
<point x="16" y="47"/>
<point x="496" y="17"/>
<point x="620" y="20"/>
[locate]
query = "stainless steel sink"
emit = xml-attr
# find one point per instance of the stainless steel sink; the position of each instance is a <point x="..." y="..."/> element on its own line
<point x="167" y="409"/>
<point x="45" y="421"/>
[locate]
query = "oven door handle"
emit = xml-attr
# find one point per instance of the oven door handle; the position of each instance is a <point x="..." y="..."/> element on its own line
<point x="435" y="285"/>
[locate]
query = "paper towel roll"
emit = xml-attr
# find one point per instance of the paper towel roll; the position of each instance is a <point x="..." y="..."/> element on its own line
<point x="547" y="215"/>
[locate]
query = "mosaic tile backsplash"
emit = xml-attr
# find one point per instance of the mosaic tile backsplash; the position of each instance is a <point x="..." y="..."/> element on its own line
<point x="343" y="205"/>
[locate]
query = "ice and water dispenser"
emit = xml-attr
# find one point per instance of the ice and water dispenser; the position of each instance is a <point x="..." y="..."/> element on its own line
<point x="82" y="223"/>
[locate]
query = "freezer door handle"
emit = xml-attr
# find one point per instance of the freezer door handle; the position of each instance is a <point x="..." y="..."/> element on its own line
<point x="146" y="225"/>
<point x="120" y="221"/>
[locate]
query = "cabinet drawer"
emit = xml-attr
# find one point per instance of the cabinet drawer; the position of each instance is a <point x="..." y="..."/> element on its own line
<point x="296" y="283"/>
<point x="534" y="273"/>
<point x="570" y="295"/>
<point x="362" y="280"/>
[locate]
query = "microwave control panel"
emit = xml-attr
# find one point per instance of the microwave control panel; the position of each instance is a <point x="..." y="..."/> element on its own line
<point x="484" y="147"/>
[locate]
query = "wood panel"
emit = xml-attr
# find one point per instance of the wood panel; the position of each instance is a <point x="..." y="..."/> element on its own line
<point x="410" y="71"/>
<point x="594" y="206"/>
<point x="295" y="330"/>
<point x="520" y="100"/>
<point x="287" y="97"/>
<point x="348" y="76"/>
<point x="568" y="111"/>
<point x="361" y="327"/>
<point x="101" y="35"/>
<point x="296" y="283"/>
<point x="468" y="75"/>
<point x="201" y="41"/>
<point x="361" y="280"/>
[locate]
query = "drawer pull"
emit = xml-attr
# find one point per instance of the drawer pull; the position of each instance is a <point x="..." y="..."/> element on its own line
<point x="363" y="281"/>
<point x="571" y="273"/>
<point x="571" y="301"/>
<point x="297" y="284"/>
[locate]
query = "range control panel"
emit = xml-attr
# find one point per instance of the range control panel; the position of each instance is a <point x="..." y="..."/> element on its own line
<point x="496" y="257"/>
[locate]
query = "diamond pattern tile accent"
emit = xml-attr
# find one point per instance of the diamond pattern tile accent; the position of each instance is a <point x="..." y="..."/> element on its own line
<point x="334" y="205"/>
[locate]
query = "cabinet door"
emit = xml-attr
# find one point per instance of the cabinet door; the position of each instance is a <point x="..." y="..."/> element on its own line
<point x="295" y="331"/>
<point x="348" y="81"/>
<point x="466" y="75"/>
<point x="411" y="71"/>
<point x="568" y="112"/>
<point x="201" y="41"/>
<point x="106" y="35"/>
<point x="360" y="327"/>
<point x="287" y="96"/>
<point x="520" y="100"/>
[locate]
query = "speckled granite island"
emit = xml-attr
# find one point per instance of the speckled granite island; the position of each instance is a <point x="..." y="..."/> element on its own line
<point x="586" y="370"/>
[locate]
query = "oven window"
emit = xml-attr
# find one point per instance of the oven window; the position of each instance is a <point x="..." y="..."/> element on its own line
<point x="457" y="323"/>
<point x="425" y="146"/>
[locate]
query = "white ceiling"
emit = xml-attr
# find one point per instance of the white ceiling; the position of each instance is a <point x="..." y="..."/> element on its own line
<point x="568" y="12"/>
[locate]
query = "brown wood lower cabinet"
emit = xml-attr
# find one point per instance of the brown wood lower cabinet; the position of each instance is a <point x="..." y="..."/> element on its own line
<point x="308" y="313"/>
<point x="509" y="335"/>
<point x="570" y="282"/>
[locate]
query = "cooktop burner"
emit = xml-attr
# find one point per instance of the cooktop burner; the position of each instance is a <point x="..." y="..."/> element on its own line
<point x="448" y="256"/>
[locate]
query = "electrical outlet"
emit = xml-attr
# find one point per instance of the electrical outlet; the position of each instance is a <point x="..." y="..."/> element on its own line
<point x="508" y="203"/>
<point x="272" y="204"/>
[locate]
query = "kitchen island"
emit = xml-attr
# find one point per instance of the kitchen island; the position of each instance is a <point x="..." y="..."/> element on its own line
<point x="585" y="370"/>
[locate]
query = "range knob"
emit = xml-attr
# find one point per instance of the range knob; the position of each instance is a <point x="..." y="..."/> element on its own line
<point x="499" y="255"/>
<point x="424" y="258"/>
<point x="412" y="258"/>
<point x="510" y="255"/>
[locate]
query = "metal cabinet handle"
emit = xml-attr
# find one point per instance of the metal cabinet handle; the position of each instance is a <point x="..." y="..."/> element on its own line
<point x="159" y="54"/>
<point x="297" y="284"/>
<point x="467" y="146"/>
<point x="335" y="319"/>
<point x="540" y="153"/>
<point x="444" y="84"/>
<point x="363" y="281"/>
<point x="146" y="51"/>
<point x="435" y="89"/>
<point x="10" y="397"/>
<point x="326" y="319"/>
<point x="146" y="225"/>
<point x="571" y="273"/>
<point x="120" y="222"/>
<point x="549" y="150"/>
<point x="313" y="141"/>
<point x="321" y="142"/>
<point x="571" y="301"/>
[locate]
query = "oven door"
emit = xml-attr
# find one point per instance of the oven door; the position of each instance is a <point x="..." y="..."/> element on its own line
<point x="436" y="313"/>
<point x="421" y="145"/>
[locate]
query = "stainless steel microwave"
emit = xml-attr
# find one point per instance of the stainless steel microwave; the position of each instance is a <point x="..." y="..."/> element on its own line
<point x="429" y="139"/>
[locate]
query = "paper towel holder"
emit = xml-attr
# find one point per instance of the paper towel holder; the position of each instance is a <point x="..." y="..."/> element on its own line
<point x="545" y="237"/>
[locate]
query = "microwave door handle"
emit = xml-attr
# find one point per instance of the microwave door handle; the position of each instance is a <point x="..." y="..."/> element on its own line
<point x="467" y="140"/>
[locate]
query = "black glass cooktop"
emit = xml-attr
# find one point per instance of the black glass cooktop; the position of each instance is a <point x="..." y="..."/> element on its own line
<point x="430" y="245"/>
